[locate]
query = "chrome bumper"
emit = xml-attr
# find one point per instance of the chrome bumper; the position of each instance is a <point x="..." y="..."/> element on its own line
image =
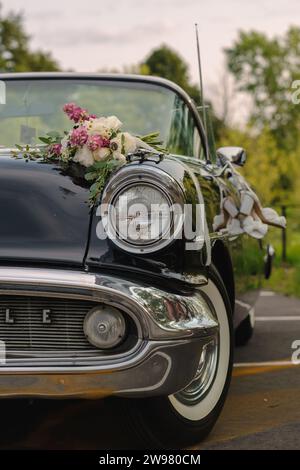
<point x="172" y="332"/>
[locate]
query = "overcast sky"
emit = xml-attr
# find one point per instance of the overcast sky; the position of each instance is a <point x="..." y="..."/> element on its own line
<point x="88" y="35"/>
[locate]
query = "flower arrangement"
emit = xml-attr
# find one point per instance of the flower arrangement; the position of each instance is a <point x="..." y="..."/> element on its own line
<point x="96" y="143"/>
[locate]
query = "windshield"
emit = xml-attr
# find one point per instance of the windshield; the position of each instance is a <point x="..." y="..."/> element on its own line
<point x="29" y="108"/>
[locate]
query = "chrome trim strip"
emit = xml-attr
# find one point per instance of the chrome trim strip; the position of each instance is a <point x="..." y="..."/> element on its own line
<point x="156" y="374"/>
<point x="146" y="349"/>
<point x="55" y="277"/>
<point x="158" y="384"/>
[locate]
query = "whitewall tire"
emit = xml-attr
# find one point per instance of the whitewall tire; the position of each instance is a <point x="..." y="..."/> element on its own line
<point x="203" y="407"/>
<point x="188" y="416"/>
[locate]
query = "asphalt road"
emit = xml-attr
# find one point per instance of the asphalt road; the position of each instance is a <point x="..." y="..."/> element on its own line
<point x="263" y="407"/>
<point x="262" y="410"/>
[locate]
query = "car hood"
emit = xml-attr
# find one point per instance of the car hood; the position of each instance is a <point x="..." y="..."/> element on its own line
<point x="44" y="212"/>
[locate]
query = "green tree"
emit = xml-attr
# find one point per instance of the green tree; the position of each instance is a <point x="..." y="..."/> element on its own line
<point x="265" y="68"/>
<point x="267" y="168"/>
<point x="15" y="53"/>
<point x="167" y="63"/>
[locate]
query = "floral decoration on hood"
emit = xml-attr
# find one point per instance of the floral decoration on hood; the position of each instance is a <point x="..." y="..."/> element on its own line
<point x="96" y="143"/>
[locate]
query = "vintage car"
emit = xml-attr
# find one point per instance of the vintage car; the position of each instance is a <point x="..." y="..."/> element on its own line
<point x="86" y="314"/>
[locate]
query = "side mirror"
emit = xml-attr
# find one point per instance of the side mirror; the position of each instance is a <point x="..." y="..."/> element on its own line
<point x="235" y="155"/>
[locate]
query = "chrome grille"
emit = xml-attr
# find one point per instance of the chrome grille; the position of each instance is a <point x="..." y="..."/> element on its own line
<point x="28" y="336"/>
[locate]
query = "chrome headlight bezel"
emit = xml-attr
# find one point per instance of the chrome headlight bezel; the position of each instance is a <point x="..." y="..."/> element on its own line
<point x="155" y="178"/>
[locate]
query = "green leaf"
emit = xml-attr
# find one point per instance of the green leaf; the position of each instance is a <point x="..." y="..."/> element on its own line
<point x="123" y="144"/>
<point x="113" y="164"/>
<point x="91" y="176"/>
<point x="99" y="165"/>
<point x="94" y="188"/>
<point x="54" y="134"/>
<point x="114" y="134"/>
<point x="45" y="140"/>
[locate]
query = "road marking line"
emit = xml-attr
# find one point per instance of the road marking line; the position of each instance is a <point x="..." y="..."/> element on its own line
<point x="267" y="293"/>
<point x="264" y="364"/>
<point x="279" y="318"/>
<point x="243" y="304"/>
<point x="253" y="368"/>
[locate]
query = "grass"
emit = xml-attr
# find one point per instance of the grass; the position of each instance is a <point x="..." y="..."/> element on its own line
<point x="285" y="277"/>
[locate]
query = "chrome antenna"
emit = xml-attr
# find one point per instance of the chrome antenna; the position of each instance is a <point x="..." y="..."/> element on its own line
<point x="202" y="94"/>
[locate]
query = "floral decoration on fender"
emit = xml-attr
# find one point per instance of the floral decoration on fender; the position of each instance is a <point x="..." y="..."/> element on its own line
<point x="97" y="143"/>
<point x="246" y="214"/>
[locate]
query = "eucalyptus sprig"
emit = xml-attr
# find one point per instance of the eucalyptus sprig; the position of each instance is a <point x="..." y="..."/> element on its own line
<point x="154" y="141"/>
<point x="98" y="175"/>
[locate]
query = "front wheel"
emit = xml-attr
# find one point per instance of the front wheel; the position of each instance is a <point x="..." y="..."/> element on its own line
<point x="189" y="415"/>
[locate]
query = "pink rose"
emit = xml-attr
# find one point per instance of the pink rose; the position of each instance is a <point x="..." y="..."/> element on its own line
<point x="55" y="149"/>
<point x="79" y="137"/>
<point x="68" y="108"/>
<point x="76" y="113"/>
<point x="96" y="141"/>
<point x="105" y="142"/>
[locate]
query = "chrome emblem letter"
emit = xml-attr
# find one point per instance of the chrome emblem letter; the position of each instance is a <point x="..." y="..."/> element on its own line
<point x="8" y="318"/>
<point x="46" y="316"/>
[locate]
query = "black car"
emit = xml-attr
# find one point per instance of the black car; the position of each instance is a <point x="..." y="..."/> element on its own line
<point x="86" y="315"/>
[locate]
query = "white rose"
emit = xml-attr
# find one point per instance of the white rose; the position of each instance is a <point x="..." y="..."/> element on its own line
<point x="116" y="143"/>
<point x="104" y="126"/>
<point x="120" y="158"/>
<point x="125" y="142"/>
<point x="98" y="127"/>
<point x="84" y="156"/>
<point x="112" y="122"/>
<point x="101" y="154"/>
<point x="130" y="143"/>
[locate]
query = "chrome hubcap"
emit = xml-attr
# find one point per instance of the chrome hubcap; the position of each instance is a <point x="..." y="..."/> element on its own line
<point x="204" y="377"/>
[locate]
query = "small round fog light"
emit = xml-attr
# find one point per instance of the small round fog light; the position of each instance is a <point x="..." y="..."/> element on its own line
<point x="104" y="327"/>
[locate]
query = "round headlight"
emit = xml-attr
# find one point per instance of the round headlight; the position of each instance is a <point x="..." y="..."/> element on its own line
<point x="141" y="214"/>
<point x="104" y="327"/>
<point x="142" y="209"/>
